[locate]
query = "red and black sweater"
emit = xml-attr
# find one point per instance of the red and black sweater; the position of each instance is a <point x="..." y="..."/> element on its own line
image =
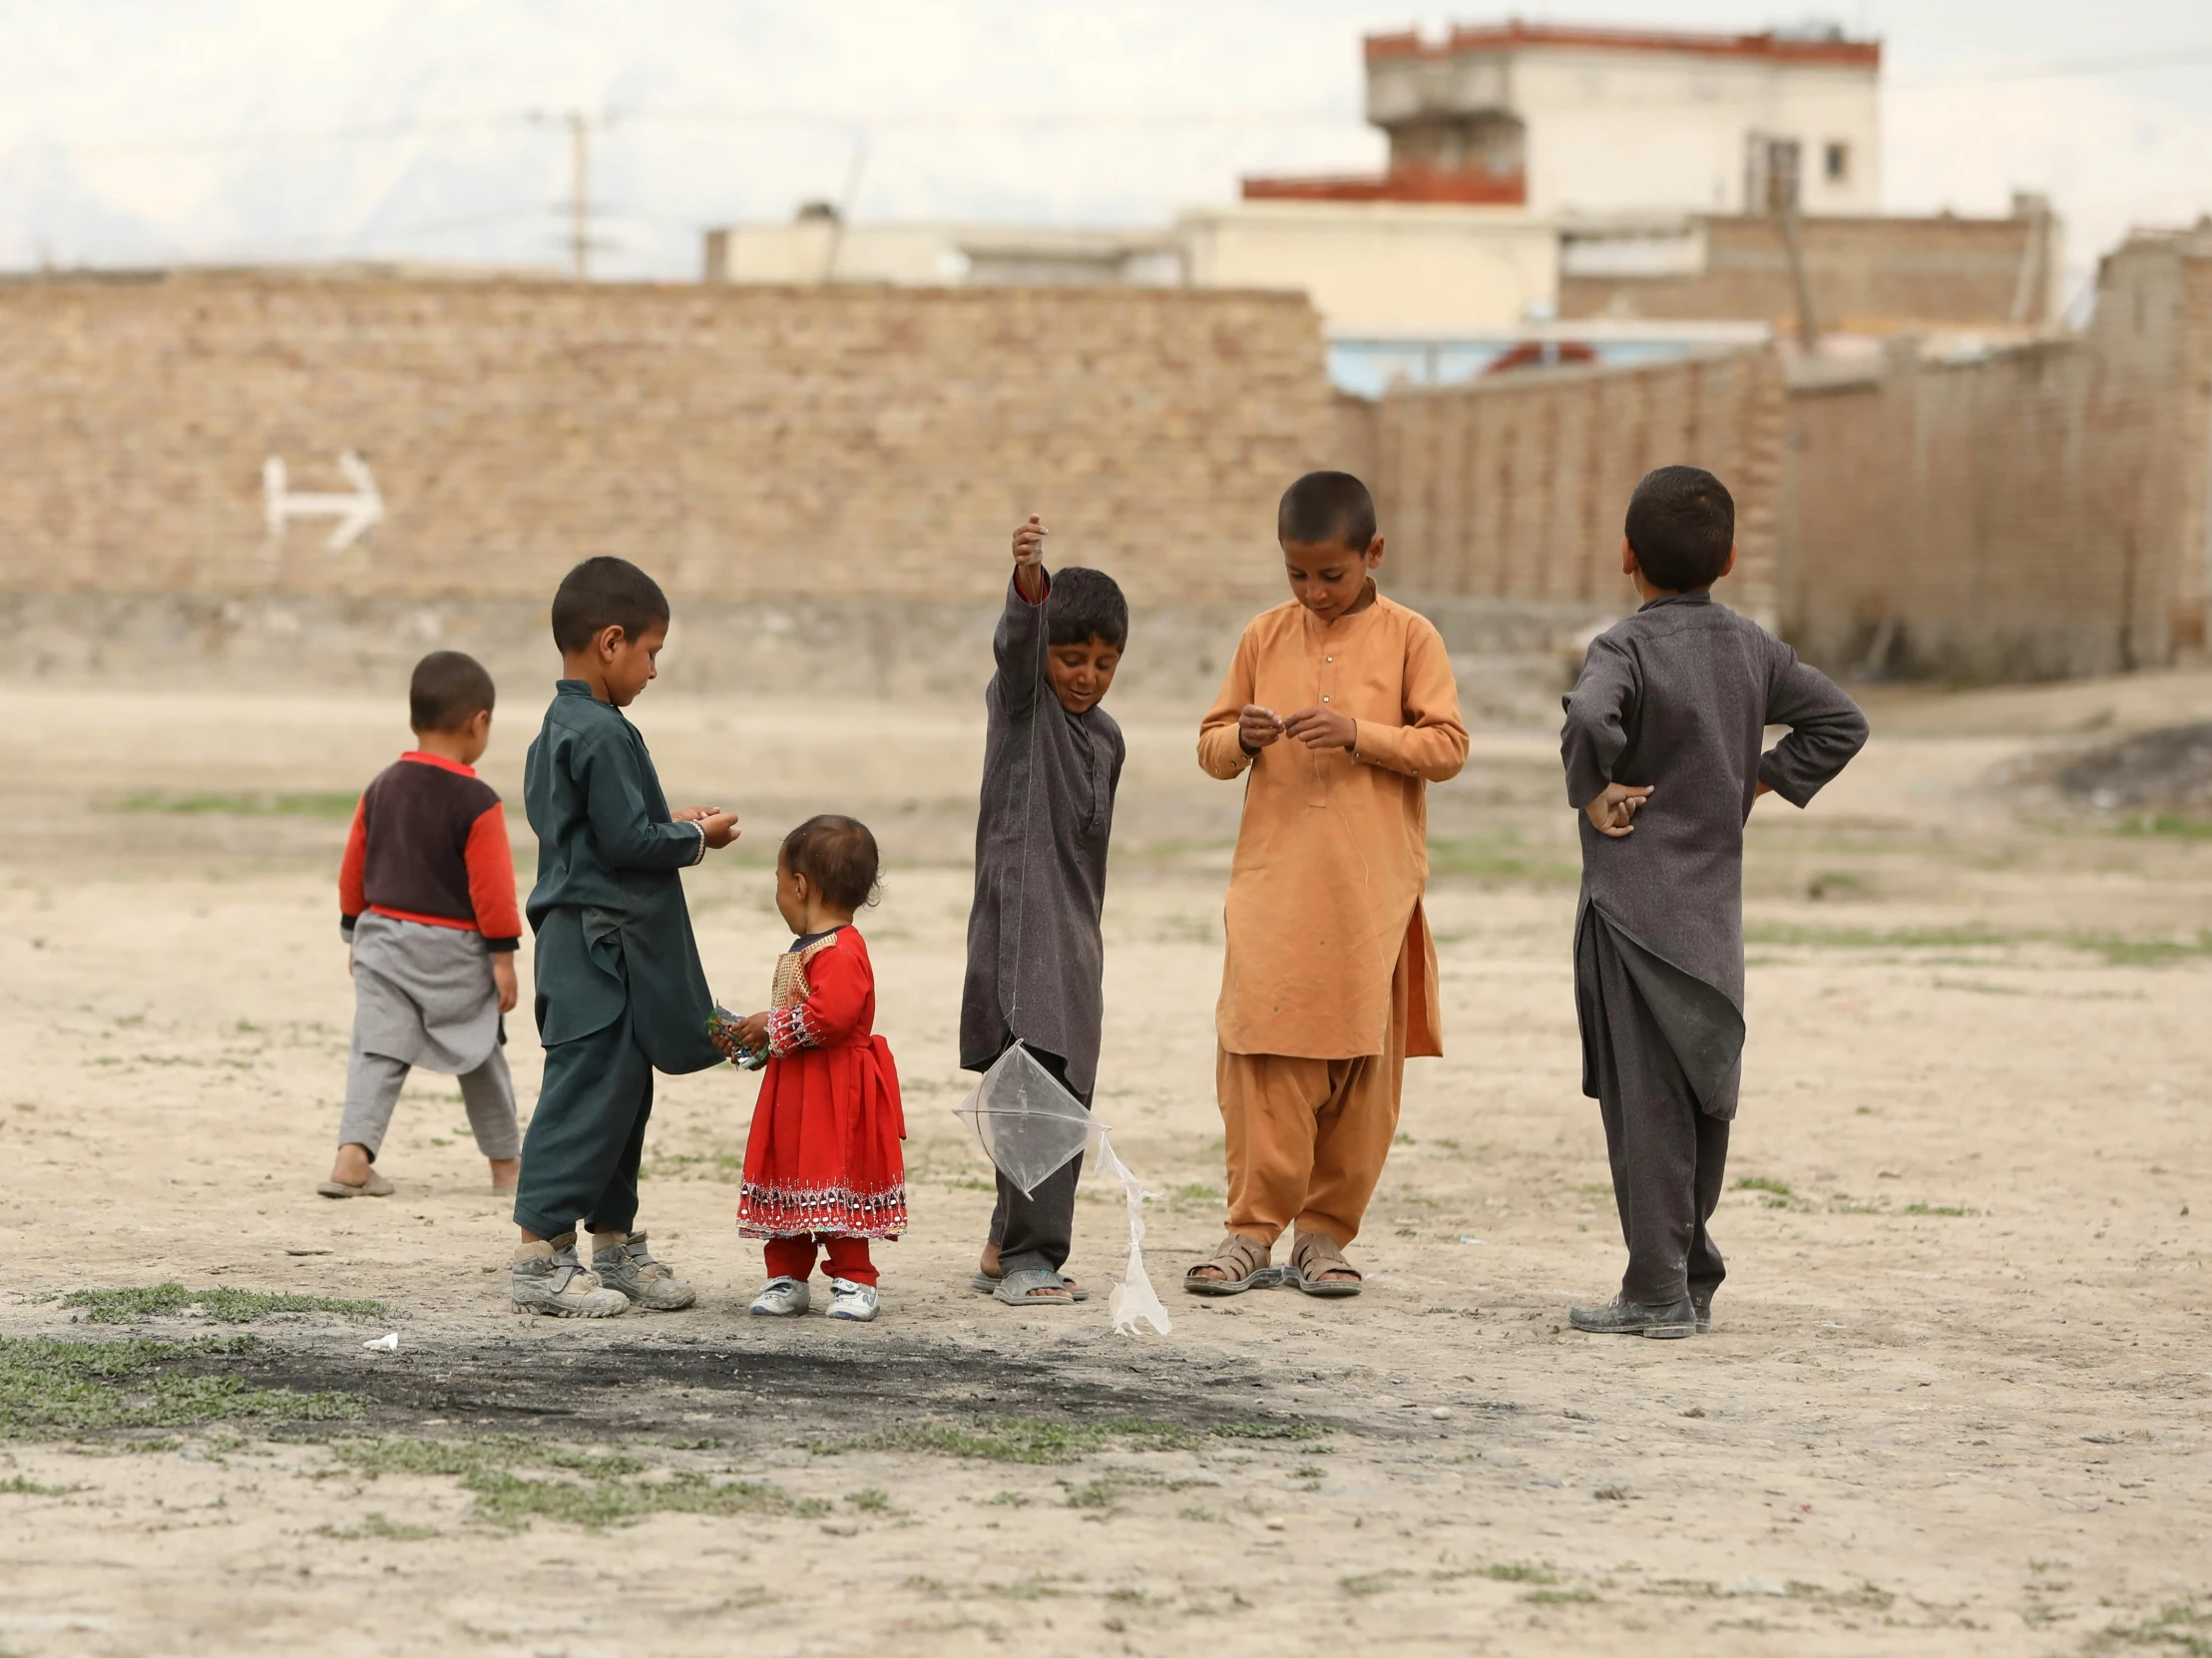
<point x="429" y="845"/>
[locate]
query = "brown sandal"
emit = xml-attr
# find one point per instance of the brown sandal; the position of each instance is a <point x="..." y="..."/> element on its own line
<point x="1241" y="1262"/>
<point x="1315" y="1254"/>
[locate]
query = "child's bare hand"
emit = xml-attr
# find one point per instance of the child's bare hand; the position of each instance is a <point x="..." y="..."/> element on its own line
<point x="719" y="827"/>
<point x="503" y="980"/>
<point x="752" y="1032"/>
<point x="1611" y="811"/>
<point x="1256" y="727"/>
<point x="1321" y="728"/>
<point x="1028" y="541"/>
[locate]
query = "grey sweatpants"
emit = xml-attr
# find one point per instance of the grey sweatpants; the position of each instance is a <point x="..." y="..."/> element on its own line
<point x="372" y="1085"/>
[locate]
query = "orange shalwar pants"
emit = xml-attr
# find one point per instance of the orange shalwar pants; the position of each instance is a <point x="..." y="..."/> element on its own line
<point x="1307" y="1138"/>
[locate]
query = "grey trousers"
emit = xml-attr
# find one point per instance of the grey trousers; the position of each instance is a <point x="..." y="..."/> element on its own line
<point x="372" y="1085"/>
<point x="1669" y="1156"/>
<point x="1036" y="1232"/>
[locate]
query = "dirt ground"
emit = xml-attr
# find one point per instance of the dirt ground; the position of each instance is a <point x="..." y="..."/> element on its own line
<point x="1955" y="1401"/>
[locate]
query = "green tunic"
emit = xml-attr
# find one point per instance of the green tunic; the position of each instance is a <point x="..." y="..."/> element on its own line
<point x="608" y="910"/>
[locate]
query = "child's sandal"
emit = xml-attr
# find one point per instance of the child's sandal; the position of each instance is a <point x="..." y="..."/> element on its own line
<point x="1316" y="1254"/>
<point x="1241" y="1262"/>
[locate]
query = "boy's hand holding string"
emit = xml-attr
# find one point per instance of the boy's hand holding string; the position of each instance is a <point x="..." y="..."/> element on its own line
<point x="1316" y="728"/>
<point x="1028" y="559"/>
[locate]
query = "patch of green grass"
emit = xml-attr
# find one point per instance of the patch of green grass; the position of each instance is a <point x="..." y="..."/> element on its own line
<point x="1506" y="1572"/>
<point x="50" y="1388"/>
<point x="1935" y="1209"/>
<point x="2182" y="1628"/>
<point x="1559" y="1597"/>
<point x="1269" y="1431"/>
<point x="20" y="1487"/>
<point x="376" y="1526"/>
<point x="1097" y="1493"/>
<point x="1034" y="1440"/>
<point x="2172" y="824"/>
<point x="870" y="1500"/>
<point x="1501" y="857"/>
<point x="1195" y="1193"/>
<point x="1029" y="1588"/>
<point x="220" y="1304"/>
<point x="608" y="1490"/>
<point x="1760" y="1183"/>
<point x="1372" y="1583"/>
<point x="2118" y="952"/>
<point x="1869" y="938"/>
<point x="323" y="805"/>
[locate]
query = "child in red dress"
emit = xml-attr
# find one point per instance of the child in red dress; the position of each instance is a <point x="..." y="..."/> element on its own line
<point x="822" y="1165"/>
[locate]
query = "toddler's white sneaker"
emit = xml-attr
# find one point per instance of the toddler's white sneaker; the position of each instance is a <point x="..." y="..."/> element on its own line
<point x="848" y="1299"/>
<point x="781" y="1298"/>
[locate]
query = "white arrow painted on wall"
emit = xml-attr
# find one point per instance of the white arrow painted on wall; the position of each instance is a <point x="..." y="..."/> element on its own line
<point x="358" y="514"/>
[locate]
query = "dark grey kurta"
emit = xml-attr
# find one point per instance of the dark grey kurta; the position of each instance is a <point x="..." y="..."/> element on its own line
<point x="614" y="935"/>
<point x="1035" y="960"/>
<point x="1678" y="697"/>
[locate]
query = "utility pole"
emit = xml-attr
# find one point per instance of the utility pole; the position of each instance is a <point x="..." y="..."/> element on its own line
<point x="580" y="195"/>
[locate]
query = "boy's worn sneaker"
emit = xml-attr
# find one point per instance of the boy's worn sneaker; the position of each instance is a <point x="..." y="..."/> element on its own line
<point x="547" y="1277"/>
<point x="1704" y="1315"/>
<point x="847" y="1299"/>
<point x="782" y="1298"/>
<point x="1619" y="1317"/>
<point x="629" y="1266"/>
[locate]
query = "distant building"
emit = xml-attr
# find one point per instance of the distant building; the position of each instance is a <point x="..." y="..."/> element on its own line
<point x="1599" y="121"/>
<point x="1371" y="267"/>
<point x="1552" y="194"/>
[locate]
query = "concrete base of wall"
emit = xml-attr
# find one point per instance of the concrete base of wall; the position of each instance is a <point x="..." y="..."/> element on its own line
<point x="1985" y="654"/>
<point x="1511" y="659"/>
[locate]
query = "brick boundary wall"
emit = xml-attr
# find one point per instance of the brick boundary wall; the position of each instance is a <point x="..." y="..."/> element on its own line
<point x="2031" y="513"/>
<point x="1513" y="488"/>
<point x="839" y="442"/>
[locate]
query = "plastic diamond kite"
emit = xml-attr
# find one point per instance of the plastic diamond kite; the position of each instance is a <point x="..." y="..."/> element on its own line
<point x="1031" y="1127"/>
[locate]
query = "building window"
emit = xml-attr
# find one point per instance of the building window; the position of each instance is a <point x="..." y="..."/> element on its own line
<point x="1838" y="163"/>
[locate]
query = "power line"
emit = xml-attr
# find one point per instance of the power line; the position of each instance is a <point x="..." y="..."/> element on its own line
<point x="2083" y="69"/>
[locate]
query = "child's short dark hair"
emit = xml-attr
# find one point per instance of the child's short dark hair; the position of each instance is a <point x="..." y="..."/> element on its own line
<point x="1085" y="604"/>
<point x="1327" y="506"/>
<point x="449" y="688"/>
<point x="605" y="593"/>
<point x="1681" y="522"/>
<point x="838" y="855"/>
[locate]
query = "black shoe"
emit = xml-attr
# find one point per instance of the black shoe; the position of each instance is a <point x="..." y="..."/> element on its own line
<point x="1617" y="1317"/>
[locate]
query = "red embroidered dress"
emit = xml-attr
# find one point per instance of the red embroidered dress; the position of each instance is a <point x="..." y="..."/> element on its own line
<point x="823" y="1156"/>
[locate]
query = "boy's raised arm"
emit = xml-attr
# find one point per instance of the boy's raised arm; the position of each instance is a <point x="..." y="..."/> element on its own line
<point x="628" y="833"/>
<point x="1825" y="729"/>
<point x="1018" y="645"/>
<point x="1432" y="743"/>
<point x="1596" y="728"/>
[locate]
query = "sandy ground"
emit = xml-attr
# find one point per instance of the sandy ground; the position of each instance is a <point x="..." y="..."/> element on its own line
<point x="1955" y="1401"/>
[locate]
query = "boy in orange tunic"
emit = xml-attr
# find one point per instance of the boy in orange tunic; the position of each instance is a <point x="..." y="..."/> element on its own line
<point x="1342" y="708"/>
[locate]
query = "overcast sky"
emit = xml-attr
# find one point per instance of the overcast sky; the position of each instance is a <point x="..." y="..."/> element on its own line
<point x="136" y="131"/>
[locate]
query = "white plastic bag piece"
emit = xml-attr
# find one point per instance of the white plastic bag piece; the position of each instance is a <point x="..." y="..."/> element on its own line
<point x="386" y="1342"/>
<point x="1132" y="1301"/>
<point x="1030" y="1127"/>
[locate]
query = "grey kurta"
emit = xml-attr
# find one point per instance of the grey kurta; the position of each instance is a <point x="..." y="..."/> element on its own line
<point x="1678" y="697"/>
<point x="1035" y="960"/>
<point x="423" y="995"/>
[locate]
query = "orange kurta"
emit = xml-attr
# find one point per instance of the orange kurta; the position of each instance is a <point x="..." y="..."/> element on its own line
<point x="1332" y="854"/>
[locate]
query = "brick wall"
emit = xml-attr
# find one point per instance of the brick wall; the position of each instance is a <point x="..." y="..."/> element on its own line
<point x="2032" y="513"/>
<point x="1882" y="274"/>
<point x="1512" y="488"/>
<point x="741" y="442"/>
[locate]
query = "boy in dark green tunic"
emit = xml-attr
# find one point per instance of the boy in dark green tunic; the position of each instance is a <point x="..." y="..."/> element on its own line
<point x="620" y="993"/>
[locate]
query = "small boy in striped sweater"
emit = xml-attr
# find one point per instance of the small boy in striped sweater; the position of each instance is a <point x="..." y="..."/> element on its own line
<point x="426" y="902"/>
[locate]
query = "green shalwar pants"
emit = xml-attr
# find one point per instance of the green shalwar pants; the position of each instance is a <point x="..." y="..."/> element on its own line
<point x="579" y="1159"/>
